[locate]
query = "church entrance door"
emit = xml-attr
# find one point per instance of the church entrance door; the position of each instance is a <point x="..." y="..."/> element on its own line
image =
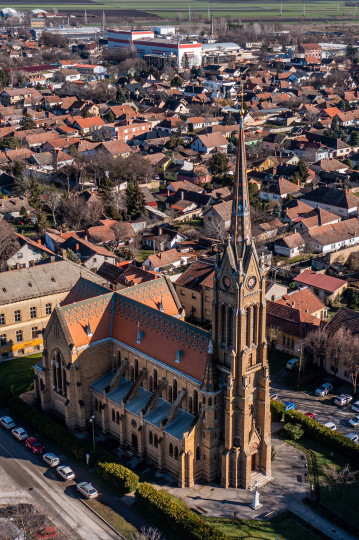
<point x="253" y="462"/>
<point x="134" y="442"/>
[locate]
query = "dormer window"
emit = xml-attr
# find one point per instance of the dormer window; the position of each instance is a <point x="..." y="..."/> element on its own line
<point x="140" y="334"/>
<point x="179" y="356"/>
<point x="88" y="330"/>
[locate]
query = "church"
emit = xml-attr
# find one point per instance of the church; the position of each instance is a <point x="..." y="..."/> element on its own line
<point x="194" y="403"/>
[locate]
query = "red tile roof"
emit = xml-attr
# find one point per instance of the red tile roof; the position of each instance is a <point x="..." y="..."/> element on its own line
<point x="320" y="281"/>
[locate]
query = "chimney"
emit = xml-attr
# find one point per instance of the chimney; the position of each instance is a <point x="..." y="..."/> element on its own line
<point x="293" y="304"/>
<point x="168" y="193"/>
<point x="86" y="238"/>
<point x="52" y="259"/>
<point x="64" y="254"/>
<point x="61" y="233"/>
<point x="182" y="195"/>
<point x="77" y="247"/>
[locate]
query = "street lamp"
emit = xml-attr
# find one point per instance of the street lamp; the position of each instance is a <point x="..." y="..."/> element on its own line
<point x="92" y="421"/>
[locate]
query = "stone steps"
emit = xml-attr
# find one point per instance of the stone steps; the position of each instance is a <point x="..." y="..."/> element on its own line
<point x="262" y="479"/>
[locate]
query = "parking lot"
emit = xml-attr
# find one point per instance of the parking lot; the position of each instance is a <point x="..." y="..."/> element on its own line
<point x="324" y="408"/>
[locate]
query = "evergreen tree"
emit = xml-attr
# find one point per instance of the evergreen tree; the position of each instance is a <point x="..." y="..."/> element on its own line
<point x="27" y="122"/>
<point x="111" y="117"/>
<point x="176" y="82"/>
<point x="219" y="164"/>
<point x="135" y="201"/>
<point x="3" y="79"/>
<point x="277" y="211"/>
<point x="9" y="142"/>
<point x="354" y="138"/>
<point x="303" y="169"/>
<point x="120" y="96"/>
<point x="35" y="193"/>
<point x="335" y="124"/>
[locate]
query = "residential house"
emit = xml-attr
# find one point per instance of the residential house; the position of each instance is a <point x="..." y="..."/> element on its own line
<point x="88" y="125"/>
<point x="278" y="190"/>
<point x="304" y="298"/>
<point x="289" y="246"/>
<point x="337" y="201"/>
<point x="333" y="236"/>
<point x="195" y="290"/>
<point x="217" y="219"/>
<point x="210" y="143"/>
<point x="162" y="238"/>
<point x="327" y="288"/>
<point x="167" y="260"/>
<point x="28" y="254"/>
<point x="313" y="218"/>
<point x="90" y="255"/>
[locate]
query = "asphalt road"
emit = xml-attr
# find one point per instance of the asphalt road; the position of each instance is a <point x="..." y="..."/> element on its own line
<point x="25" y="477"/>
<point x="324" y="408"/>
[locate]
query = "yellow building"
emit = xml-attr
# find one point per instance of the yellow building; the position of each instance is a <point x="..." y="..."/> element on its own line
<point x="28" y="296"/>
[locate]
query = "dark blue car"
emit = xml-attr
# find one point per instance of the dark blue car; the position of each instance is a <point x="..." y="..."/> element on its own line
<point x="289" y="405"/>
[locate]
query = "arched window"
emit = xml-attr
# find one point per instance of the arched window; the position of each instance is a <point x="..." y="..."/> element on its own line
<point x="171" y="450"/>
<point x="195" y="401"/>
<point x="176" y="453"/>
<point x="117" y="417"/>
<point x="209" y="402"/>
<point x="150" y="383"/>
<point x="96" y="404"/>
<point x="155" y="379"/>
<point x="248" y="327"/>
<point x="198" y="453"/>
<point x="190" y="404"/>
<point x="132" y="377"/>
<point x="230" y="326"/>
<point x="136" y="369"/>
<point x="150" y="437"/>
<point x="170" y="395"/>
<point x="113" y="415"/>
<point x="204" y="400"/>
<point x="174" y="390"/>
<point x="255" y="325"/>
<point x="119" y="358"/>
<point x="156" y="441"/>
<point x="223" y="318"/>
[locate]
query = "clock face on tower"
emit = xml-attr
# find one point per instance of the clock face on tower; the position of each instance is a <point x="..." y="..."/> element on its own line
<point x="227" y="281"/>
<point x="251" y="282"/>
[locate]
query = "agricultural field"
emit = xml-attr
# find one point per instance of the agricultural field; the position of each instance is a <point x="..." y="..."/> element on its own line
<point x="254" y="10"/>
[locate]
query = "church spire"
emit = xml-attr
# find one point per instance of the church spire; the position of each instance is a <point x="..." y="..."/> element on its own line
<point x="240" y="229"/>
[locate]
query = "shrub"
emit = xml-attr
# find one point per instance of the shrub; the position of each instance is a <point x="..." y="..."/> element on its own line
<point x="277" y="409"/>
<point x="121" y="478"/>
<point x="318" y="432"/>
<point x="167" y="511"/>
<point x="293" y="431"/>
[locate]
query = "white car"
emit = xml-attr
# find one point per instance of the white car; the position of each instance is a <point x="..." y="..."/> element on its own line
<point x="19" y="433"/>
<point x="51" y="460"/>
<point x="65" y="472"/>
<point x="324" y="389"/>
<point x="343" y="399"/>
<point x="354" y="421"/>
<point x="330" y="425"/>
<point x="355" y="406"/>
<point x="7" y="422"/>
<point x="353" y="437"/>
<point x="87" y="490"/>
<point x="291" y="363"/>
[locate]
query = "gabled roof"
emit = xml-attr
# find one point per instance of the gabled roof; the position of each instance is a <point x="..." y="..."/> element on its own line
<point x="303" y="299"/>
<point x="332" y="197"/>
<point x="320" y="281"/>
<point x="344" y="318"/>
<point x="198" y="274"/>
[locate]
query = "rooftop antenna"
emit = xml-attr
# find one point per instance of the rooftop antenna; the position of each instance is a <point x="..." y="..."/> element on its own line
<point x="281" y="7"/>
<point x="103" y="20"/>
<point x="85" y="18"/>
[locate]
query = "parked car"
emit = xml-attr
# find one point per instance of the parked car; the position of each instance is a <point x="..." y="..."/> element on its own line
<point x="310" y="415"/>
<point x="354" y="421"/>
<point x="323" y="390"/>
<point x="355" y="406"/>
<point x="65" y="472"/>
<point x="291" y="363"/>
<point x="51" y="460"/>
<point x="47" y="533"/>
<point x="289" y="405"/>
<point x="34" y="445"/>
<point x="87" y="490"/>
<point x="330" y="425"/>
<point x="343" y="399"/>
<point x="7" y="422"/>
<point x="19" y="433"/>
<point x="353" y="437"/>
<point x="274" y="396"/>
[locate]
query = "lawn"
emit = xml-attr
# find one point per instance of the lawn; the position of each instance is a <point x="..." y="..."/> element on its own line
<point x="143" y="254"/>
<point x="114" y="519"/>
<point x="16" y="375"/>
<point x="347" y="506"/>
<point x="283" y="527"/>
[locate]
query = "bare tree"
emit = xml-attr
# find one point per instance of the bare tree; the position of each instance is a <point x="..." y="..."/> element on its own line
<point x="8" y="243"/>
<point x="336" y="479"/>
<point x="53" y="201"/>
<point x="216" y="229"/>
<point x="315" y="343"/>
<point x="273" y="333"/>
<point x="149" y="533"/>
<point x="25" y="518"/>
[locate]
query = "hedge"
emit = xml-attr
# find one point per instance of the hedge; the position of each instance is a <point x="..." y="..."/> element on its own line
<point x="324" y="435"/>
<point x="277" y="409"/>
<point x="121" y="478"/>
<point x="118" y="476"/>
<point x="167" y="512"/>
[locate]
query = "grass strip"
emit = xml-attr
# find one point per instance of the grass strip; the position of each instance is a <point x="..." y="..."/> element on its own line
<point x="113" y="518"/>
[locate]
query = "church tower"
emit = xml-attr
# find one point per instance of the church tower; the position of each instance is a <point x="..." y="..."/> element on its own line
<point x="239" y="340"/>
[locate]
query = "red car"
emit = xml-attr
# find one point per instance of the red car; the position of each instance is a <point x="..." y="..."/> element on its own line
<point x="310" y="415"/>
<point x="34" y="445"/>
<point x="48" y="532"/>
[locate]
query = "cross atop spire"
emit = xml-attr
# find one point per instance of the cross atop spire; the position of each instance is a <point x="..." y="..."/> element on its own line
<point x="240" y="229"/>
